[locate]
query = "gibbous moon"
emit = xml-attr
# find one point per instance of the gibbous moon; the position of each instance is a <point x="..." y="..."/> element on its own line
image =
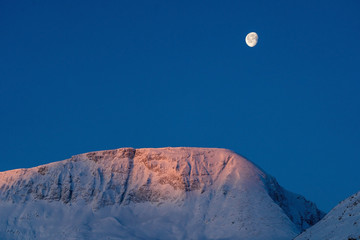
<point x="251" y="39"/>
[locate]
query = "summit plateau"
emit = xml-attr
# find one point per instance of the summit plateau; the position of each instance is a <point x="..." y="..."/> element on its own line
<point x="163" y="193"/>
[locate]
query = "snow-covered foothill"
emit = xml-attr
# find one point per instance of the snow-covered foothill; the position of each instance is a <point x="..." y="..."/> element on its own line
<point x="341" y="223"/>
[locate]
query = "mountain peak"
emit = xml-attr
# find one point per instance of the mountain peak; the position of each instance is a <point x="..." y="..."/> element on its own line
<point x="206" y="187"/>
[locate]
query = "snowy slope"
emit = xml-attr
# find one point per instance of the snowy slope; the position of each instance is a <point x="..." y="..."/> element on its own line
<point x="342" y="223"/>
<point x="165" y="193"/>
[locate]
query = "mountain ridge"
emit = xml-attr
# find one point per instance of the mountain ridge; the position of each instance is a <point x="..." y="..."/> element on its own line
<point x="342" y="222"/>
<point x="207" y="187"/>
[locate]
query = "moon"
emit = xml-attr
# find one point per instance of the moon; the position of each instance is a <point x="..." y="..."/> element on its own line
<point x="251" y="39"/>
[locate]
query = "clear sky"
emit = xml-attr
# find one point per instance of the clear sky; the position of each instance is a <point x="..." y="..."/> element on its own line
<point x="80" y="76"/>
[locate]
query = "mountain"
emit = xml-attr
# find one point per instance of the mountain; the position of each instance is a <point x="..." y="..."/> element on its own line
<point x="165" y="193"/>
<point x="341" y="223"/>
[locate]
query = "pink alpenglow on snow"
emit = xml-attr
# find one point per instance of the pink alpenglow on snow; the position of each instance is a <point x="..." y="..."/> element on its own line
<point x="164" y="193"/>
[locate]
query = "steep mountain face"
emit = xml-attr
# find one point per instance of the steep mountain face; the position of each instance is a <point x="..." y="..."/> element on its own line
<point x="342" y="222"/>
<point x="165" y="193"/>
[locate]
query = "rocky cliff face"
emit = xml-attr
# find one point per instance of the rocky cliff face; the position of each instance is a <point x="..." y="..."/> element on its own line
<point x="177" y="193"/>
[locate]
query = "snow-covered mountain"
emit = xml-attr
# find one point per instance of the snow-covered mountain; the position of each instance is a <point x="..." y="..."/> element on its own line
<point x="341" y="223"/>
<point x="165" y="193"/>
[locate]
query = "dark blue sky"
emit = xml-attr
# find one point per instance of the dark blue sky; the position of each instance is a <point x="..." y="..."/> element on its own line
<point x="84" y="76"/>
